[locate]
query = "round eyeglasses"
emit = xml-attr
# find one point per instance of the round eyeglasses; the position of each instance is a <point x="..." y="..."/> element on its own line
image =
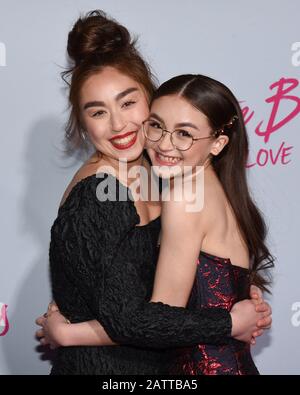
<point x="180" y="139"/>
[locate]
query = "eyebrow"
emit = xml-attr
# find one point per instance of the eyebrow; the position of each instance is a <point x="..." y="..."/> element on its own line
<point x="125" y="93"/>
<point x="119" y="96"/>
<point x="178" y="125"/>
<point x="186" y="124"/>
<point x="94" y="104"/>
<point x="153" y="115"/>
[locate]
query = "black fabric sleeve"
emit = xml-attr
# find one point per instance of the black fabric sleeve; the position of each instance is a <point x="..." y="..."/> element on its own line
<point x="128" y="319"/>
<point x="117" y="299"/>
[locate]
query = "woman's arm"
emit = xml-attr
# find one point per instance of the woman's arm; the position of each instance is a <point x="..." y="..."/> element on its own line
<point x="128" y="318"/>
<point x="57" y="332"/>
<point x="173" y="281"/>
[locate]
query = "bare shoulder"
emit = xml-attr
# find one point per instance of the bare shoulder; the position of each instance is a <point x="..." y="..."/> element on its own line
<point x="177" y="217"/>
<point x="197" y="215"/>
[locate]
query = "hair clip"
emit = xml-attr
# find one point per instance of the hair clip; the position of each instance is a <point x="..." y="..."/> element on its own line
<point x="231" y="122"/>
<point x="218" y="132"/>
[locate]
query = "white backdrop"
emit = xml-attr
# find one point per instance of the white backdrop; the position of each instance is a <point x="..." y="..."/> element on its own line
<point x="253" y="47"/>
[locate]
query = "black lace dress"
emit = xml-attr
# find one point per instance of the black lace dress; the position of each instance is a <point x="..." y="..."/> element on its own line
<point x="102" y="267"/>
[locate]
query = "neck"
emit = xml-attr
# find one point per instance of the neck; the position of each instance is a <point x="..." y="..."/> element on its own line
<point x="115" y="163"/>
<point x="121" y="168"/>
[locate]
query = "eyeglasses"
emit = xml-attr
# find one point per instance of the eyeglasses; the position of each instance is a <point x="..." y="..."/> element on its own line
<point x="180" y="139"/>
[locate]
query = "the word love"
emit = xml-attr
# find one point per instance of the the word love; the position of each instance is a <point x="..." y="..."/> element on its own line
<point x="272" y="156"/>
<point x="285" y="107"/>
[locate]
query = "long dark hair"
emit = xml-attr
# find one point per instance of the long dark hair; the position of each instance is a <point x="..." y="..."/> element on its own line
<point x="222" y="109"/>
<point x="94" y="42"/>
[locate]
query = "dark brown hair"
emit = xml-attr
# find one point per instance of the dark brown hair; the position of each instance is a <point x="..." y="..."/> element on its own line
<point x="220" y="106"/>
<point x="94" y="42"/>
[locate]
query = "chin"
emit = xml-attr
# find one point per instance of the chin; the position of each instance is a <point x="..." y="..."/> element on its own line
<point x="131" y="156"/>
<point x="167" y="172"/>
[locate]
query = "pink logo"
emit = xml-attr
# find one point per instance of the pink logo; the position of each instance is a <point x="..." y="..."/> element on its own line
<point x="280" y="100"/>
<point x="284" y="86"/>
<point x="4" y="324"/>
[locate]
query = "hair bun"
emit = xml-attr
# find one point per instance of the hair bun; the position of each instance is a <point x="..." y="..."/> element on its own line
<point x="95" y="33"/>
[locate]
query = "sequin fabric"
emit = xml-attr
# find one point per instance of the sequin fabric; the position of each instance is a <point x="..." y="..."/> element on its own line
<point x="218" y="283"/>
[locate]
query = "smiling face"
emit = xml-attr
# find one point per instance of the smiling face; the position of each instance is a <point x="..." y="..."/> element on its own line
<point x="113" y="107"/>
<point x="173" y="112"/>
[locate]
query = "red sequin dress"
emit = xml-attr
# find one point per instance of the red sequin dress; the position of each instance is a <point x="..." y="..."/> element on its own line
<point x="218" y="283"/>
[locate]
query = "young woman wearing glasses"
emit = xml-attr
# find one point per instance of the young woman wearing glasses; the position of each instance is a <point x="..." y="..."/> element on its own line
<point x="103" y="253"/>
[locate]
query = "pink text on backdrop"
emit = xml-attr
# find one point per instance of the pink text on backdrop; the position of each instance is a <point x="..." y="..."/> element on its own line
<point x="279" y="154"/>
<point x="4" y="324"/>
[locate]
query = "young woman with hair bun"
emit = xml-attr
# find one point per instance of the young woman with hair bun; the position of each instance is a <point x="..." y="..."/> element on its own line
<point x="103" y="253"/>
